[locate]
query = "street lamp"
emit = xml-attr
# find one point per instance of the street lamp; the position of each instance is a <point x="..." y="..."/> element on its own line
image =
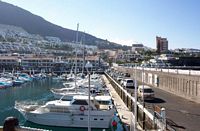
<point x="143" y="102"/>
<point x="135" y="105"/>
<point x="88" y="66"/>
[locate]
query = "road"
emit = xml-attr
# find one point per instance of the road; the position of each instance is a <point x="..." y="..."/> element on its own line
<point x="181" y="113"/>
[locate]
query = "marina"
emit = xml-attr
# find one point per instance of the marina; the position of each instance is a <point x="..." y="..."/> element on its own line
<point x="35" y="105"/>
<point x="124" y="69"/>
<point x="34" y="92"/>
<point x="80" y="101"/>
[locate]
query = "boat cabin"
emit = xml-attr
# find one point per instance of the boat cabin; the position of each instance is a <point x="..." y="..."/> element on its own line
<point x="98" y="102"/>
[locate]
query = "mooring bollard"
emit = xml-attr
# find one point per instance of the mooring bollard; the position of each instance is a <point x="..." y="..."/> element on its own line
<point x="163" y="115"/>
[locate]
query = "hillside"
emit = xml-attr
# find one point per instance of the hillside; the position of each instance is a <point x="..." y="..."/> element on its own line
<point x="13" y="15"/>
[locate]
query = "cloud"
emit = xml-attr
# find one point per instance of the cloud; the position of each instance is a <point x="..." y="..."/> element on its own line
<point x="127" y="42"/>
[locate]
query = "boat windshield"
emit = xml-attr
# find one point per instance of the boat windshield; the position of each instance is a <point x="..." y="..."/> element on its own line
<point x="80" y="102"/>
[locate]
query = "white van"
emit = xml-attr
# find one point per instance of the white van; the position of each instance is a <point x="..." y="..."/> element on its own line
<point x="148" y="92"/>
<point x="128" y="83"/>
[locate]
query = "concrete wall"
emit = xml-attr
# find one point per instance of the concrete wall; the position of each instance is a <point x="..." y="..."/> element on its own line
<point x="183" y="85"/>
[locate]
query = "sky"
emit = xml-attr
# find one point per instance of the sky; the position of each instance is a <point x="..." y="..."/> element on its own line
<point x="125" y="21"/>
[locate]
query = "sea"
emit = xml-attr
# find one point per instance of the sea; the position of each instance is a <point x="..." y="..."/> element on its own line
<point x="37" y="91"/>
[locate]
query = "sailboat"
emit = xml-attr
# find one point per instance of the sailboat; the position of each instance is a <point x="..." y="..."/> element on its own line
<point x="67" y="93"/>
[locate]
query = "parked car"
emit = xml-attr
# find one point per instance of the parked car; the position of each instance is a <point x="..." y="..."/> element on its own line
<point x="119" y="78"/>
<point x="122" y="82"/>
<point x="127" y="75"/>
<point x="128" y="83"/>
<point x="148" y="92"/>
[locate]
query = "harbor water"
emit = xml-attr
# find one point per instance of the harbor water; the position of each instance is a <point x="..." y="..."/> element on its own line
<point x="35" y="91"/>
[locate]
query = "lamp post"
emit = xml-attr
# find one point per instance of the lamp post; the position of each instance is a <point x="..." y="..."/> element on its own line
<point x="87" y="66"/>
<point x="143" y="119"/>
<point x="135" y="104"/>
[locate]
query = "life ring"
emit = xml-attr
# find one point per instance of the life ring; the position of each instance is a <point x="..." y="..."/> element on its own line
<point x="82" y="108"/>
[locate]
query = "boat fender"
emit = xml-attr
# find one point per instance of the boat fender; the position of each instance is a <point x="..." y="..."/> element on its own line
<point x="114" y="124"/>
<point x="82" y="108"/>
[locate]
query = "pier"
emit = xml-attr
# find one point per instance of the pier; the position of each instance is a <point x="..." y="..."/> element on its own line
<point x="124" y="113"/>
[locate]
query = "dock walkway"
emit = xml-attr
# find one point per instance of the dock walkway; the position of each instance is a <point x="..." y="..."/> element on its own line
<point x="124" y="113"/>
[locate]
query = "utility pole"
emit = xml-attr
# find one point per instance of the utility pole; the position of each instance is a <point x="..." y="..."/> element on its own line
<point x="135" y="104"/>
<point x="143" y="116"/>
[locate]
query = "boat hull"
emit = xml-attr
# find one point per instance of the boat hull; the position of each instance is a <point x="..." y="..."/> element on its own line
<point x="69" y="120"/>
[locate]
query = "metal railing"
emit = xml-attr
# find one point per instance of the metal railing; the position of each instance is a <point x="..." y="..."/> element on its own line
<point x="145" y="118"/>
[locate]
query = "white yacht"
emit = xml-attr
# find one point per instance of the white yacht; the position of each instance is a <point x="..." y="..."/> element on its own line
<point x="72" y="113"/>
<point x="68" y="93"/>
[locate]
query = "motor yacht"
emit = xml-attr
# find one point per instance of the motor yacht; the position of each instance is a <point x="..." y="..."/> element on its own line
<point x="72" y="113"/>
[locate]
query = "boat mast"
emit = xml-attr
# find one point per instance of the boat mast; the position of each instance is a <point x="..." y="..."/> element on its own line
<point x="83" y="45"/>
<point x="76" y="56"/>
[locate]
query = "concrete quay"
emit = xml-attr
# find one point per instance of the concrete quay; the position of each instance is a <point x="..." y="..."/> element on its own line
<point x="121" y="108"/>
<point x="125" y="115"/>
<point x="123" y="111"/>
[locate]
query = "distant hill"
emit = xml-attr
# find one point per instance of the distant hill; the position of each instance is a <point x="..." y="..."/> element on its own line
<point x="13" y="15"/>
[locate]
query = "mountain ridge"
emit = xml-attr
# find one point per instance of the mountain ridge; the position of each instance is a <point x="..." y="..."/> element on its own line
<point x="34" y="24"/>
<point x="13" y="15"/>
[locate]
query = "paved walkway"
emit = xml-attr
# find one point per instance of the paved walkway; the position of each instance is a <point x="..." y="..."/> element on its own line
<point x="123" y="112"/>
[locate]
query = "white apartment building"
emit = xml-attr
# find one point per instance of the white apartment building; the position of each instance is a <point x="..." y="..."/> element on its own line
<point x="137" y="47"/>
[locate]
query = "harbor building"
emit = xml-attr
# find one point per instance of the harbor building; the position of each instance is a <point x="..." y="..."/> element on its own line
<point x="37" y="63"/>
<point x="137" y="48"/>
<point x="9" y="62"/>
<point x="127" y="56"/>
<point x="161" y="44"/>
<point x="49" y="63"/>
